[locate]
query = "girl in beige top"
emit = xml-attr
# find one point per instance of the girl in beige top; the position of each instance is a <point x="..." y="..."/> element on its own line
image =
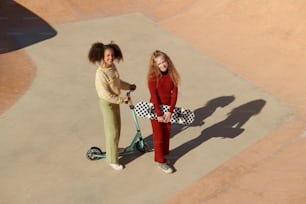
<point x="108" y="86"/>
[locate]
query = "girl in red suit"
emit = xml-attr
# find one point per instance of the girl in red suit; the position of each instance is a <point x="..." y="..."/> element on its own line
<point x="163" y="80"/>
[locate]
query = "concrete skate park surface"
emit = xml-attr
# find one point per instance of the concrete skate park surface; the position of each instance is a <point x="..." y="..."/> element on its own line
<point x="242" y="75"/>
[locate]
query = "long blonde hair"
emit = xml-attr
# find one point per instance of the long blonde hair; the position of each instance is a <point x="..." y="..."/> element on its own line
<point x="154" y="70"/>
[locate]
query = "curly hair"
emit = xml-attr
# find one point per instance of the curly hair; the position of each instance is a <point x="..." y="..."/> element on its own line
<point x="97" y="49"/>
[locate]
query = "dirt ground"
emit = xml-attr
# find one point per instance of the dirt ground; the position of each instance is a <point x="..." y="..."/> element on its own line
<point x="263" y="43"/>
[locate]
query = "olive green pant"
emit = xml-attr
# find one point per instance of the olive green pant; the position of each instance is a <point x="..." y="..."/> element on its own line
<point x="112" y="126"/>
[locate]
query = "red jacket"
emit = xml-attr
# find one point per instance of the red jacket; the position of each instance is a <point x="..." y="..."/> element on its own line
<point x="163" y="92"/>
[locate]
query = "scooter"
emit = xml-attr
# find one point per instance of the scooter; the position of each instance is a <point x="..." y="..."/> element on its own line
<point x="95" y="153"/>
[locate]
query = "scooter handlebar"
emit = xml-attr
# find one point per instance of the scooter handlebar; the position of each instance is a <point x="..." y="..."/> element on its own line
<point x="128" y="94"/>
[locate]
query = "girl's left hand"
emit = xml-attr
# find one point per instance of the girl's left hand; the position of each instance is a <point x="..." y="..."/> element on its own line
<point x="167" y="117"/>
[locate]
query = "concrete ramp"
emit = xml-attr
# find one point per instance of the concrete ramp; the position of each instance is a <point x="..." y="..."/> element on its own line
<point x="45" y="136"/>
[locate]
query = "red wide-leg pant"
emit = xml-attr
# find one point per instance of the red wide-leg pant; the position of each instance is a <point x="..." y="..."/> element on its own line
<point x="161" y="140"/>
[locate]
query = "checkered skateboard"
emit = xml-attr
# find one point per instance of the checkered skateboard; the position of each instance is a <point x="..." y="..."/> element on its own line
<point x="179" y="115"/>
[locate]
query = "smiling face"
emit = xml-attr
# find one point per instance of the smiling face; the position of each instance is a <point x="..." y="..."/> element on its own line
<point x="161" y="63"/>
<point x="108" y="58"/>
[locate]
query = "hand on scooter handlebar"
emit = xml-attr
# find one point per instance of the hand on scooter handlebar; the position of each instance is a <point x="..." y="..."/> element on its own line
<point x="127" y="99"/>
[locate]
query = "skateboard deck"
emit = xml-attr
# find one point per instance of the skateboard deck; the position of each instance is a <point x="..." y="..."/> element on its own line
<point x="179" y="115"/>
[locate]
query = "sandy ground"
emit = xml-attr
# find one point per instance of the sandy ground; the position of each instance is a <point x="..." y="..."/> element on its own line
<point x="254" y="40"/>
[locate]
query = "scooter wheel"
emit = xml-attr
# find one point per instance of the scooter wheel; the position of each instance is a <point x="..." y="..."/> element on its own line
<point x="143" y="148"/>
<point x="92" y="152"/>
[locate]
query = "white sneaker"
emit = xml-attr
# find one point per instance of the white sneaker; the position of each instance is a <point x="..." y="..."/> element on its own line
<point x="117" y="167"/>
<point x="165" y="167"/>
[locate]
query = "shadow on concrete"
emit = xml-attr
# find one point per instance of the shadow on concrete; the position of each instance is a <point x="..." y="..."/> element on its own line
<point x="202" y="113"/>
<point x="231" y="127"/>
<point x="20" y="27"/>
<point x="127" y="159"/>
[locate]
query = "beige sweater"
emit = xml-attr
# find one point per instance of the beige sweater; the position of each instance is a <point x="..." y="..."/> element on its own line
<point x="108" y="84"/>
